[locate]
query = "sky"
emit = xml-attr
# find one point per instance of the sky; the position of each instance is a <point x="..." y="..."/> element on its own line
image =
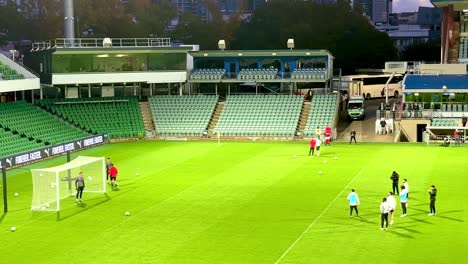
<point x="409" y="5"/>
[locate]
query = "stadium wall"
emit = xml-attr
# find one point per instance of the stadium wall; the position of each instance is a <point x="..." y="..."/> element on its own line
<point x="410" y="126"/>
<point x="132" y="77"/>
<point x="22" y="159"/>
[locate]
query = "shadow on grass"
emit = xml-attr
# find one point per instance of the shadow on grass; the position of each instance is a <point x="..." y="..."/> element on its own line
<point x="84" y="206"/>
<point x="400" y="234"/>
<point x="442" y="215"/>
<point x="2" y="217"/>
<point x="414" y="219"/>
<point x="322" y="155"/>
<point x="406" y="228"/>
<point x="366" y="220"/>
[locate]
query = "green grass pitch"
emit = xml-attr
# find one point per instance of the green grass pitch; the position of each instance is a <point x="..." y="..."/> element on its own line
<point x="200" y="202"/>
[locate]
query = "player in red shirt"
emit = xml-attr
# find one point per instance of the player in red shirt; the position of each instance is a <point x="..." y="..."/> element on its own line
<point x="312" y="146"/>
<point x="113" y="176"/>
<point x="327" y="136"/>
<point x="456" y="135"/>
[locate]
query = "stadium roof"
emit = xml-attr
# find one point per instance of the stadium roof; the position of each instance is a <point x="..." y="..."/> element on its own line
<point x="259" y="53"/>
<point x="122" y="50"/>
<point x="436" y="82"/>
<point x="457" y="4"/>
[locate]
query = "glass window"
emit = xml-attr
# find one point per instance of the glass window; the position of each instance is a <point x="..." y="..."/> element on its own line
<point x="112" y="62"/>
<point x="202" y="63"/>
<point x="248" y="63"/>
<point x="271" y="64"/>
<point x="308" y="63"/>
<point x="167" y="62"/>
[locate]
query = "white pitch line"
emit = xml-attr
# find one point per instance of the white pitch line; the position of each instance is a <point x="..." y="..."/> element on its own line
<point x="316" y="219"/>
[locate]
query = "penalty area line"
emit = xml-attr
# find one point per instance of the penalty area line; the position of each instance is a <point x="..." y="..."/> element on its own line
<point x="316" y="219"/>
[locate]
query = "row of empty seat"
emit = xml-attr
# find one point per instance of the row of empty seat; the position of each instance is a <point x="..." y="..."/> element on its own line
<point x="208" y="74"/>
<point x="322" y="113"/>
<point x="312" y="73"/>
<point x="454" y="107"/>
<point x="118" y="117"/>
<point x="463" y="48"/>
<point x="258" y="116"/>
<point x="257" y="74"/>
<point x="7" y="73"/>
<point x="33" y="123"/>
<point x="444" y="122"/>
<point x="182" y="115"/>
<point x="13" y="143"/>
<point x="260" y="74"/>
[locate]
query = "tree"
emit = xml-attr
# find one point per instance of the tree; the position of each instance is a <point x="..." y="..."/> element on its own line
<point x="191" y="29"/>
<point x="427" y="52"/>
<point x="105" y="18"/>
<point x="151" y="18"/>
<point x="45" y="18"/>
<point x="349" y="36"/>
<point x="12" y="22"/>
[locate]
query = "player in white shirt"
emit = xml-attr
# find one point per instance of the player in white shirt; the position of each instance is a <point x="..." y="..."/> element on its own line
<point x="317" y="146"/>
<point x="392" y="204"/>
<point x="384" y="210"/>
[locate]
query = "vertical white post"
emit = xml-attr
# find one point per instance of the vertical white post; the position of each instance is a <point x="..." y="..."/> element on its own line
<point x="103" y="174"/>
<point x="57" y="190"/>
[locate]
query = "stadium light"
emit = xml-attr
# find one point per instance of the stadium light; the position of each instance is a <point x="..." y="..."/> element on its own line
<point x="13" y="52"/>
<point x="290" y="43"/>
<point x="222" y="44"/>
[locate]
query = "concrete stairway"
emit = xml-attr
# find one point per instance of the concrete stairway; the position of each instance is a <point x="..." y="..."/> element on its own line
<point x="216" y="115"/>
<point x="147" y="116"/>
<point x="303" y="118"/>
<point x="365" y="132"/>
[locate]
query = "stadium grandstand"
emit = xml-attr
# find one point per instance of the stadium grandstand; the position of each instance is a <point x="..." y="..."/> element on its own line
<point x="434" y="95"/>
<point x="177" y="90"/>
<point x="211" y="201"/>
<point x="118" y="117"/>
<point x="260" y="116"/>
<point x="16" y="81"/>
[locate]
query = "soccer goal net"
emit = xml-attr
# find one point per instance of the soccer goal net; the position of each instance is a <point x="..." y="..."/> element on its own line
<point x="50" y="185"/>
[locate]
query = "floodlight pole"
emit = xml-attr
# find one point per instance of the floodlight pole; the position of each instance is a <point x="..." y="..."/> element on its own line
<point x="69" y="23"/>
<point x="5" y="198"/>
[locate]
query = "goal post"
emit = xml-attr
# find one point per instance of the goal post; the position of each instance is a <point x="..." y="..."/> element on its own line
<point x="50" y="185"/>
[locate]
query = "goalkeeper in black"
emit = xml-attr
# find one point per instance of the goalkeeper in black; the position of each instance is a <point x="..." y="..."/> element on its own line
<point x="80" y="185"/>
<point x="395" y="178"/>
<point x="432" y="196"/>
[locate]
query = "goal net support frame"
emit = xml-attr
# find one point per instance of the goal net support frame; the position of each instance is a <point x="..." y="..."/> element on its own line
<point x="51" y="185"/>
<point x="441" y="135"/>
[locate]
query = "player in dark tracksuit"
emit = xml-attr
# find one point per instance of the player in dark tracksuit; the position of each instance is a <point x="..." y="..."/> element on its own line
<point x="80" y="185"/>
<point x="395" y="178"/>
<point x="353" y="136"/>
<point x="432" y="196"/>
